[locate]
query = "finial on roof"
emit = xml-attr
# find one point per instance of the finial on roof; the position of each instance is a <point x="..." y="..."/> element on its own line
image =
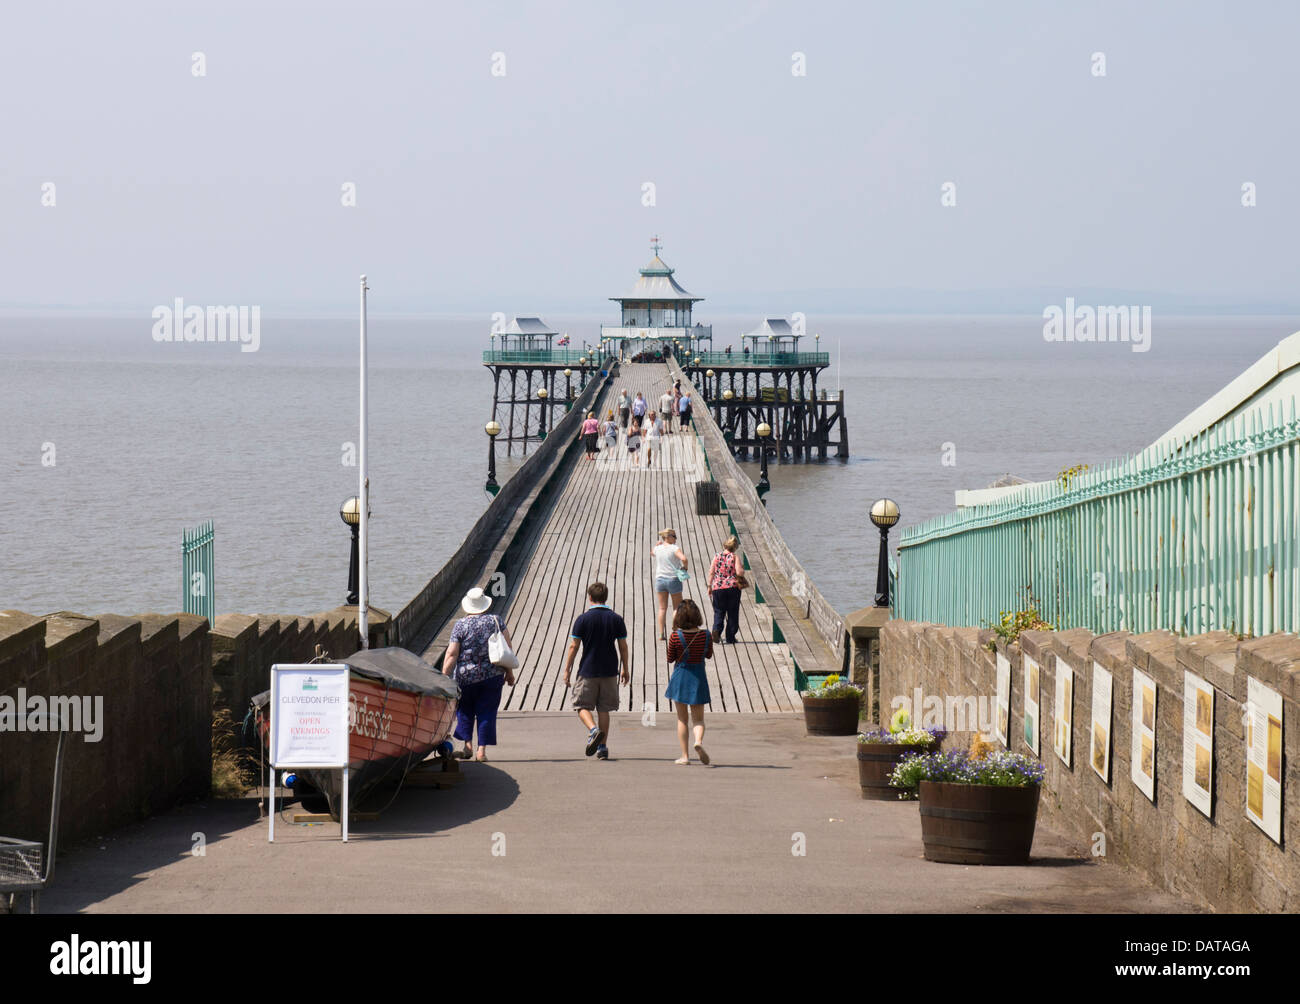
<point x="655" y="245"/>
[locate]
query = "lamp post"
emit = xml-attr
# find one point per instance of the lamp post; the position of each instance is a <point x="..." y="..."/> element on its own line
<point x="541" y="425"/>
<point x="350" y="513"/>
<point x="493" y="429"/>
<point x="884" y="513"/>
<point x="708" y="382"/>
<point x="568" y="389"/>
<point x="764" y="486"/>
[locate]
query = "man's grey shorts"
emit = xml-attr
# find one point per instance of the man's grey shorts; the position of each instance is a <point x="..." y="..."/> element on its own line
<point x="595" y="693"/>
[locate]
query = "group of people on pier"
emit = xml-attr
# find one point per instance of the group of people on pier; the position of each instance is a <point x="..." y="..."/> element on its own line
<point x="636" y="421"/>
<point x="600" y="635"/>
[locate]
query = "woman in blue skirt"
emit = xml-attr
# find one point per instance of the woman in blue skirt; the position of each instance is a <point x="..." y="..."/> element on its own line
<point x="688" y="688"/>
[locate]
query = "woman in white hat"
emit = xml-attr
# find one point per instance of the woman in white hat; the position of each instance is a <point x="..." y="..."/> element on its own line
<point x="467" y="662"/>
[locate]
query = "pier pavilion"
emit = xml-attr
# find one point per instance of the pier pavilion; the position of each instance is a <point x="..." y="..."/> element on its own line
<point x="533" y="374"/>
<point x="769" y="380"/>
<point x="656" y="314"/>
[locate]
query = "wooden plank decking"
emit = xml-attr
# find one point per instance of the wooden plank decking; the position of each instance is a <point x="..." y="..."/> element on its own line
<point x="602" y="526"/>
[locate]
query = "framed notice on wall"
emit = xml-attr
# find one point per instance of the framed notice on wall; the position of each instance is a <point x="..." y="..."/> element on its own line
<point x="1031" y="704"/>
<point x="1144" y="734"/>
<point x="1263" y="721"/>
<point x="1198" y="742"/>
<point x="1002" y="720"/>
<point x="1102" y="693"/>
<point x="1063" y="711"/>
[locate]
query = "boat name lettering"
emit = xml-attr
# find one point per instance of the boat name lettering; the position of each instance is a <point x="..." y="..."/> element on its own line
<point x="364" y="722"/>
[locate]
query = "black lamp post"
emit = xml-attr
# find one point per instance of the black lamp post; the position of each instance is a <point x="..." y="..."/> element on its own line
<point x="493" y="429"/>
<point x="568" y="389"/>
<point x="764" y="486"/>
<point x="708" y="384"/>
<point x="541" y="425"/>
<point x="884" y="513"/>
<point x="350" y="513"/>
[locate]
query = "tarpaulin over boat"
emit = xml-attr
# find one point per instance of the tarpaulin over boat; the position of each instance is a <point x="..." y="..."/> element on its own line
<point x="401" y="668"/>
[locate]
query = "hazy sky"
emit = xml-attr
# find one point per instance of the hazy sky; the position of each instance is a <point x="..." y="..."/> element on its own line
<point x="478" y="192"/>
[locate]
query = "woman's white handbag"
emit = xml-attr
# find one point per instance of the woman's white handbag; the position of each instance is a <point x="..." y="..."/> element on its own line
<point x="499" y="651"/>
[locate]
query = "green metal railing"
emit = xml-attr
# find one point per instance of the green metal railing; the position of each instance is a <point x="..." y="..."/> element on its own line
<point x="567" y="357"/>
<point x="756" y="359"/>
<point x="197" y="571"/>
<point x="1196" y="536"/>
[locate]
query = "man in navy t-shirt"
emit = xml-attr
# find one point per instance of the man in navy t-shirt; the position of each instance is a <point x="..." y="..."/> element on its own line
<point x="603" y="637"/>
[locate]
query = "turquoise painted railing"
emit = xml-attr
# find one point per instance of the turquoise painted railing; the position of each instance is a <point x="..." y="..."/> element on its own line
<point x="567" y="357"/>
<point x="197" y="568"/>
<point x="756" y="359"/>
<point x="1196" y="536"/>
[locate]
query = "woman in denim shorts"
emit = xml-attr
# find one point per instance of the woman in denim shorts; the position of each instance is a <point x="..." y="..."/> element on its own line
<point x="669" y="560"/>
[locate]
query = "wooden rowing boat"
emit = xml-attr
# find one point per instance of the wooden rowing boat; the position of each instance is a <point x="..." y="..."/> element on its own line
<point x="400" y="709"/>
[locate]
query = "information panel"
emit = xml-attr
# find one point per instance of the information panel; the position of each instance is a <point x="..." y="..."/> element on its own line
<point x="1002" y="723"/>
<point x="1264" y="757"/>
<point x="1198" y="742"/>
<point x="309" y="716"/>
<point x="1143" y="770"/>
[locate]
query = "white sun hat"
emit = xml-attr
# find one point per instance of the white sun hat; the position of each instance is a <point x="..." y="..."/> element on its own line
<point x="476" y="601"/>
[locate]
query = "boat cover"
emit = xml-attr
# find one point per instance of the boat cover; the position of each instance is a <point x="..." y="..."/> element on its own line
<point x="403" y="669"/>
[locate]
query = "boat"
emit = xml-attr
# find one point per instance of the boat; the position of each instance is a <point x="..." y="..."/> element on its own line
<point x="400" y="710"/>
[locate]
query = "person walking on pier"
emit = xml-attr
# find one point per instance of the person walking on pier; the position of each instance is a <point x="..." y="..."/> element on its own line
<point x="724" y="587"/>
<point x="468" y="663"/>
<point x="677" y="400"/>
<point x="603" y="637"/>
<point x="624" y="408"/>
<point x="653" y="437"/>
<point x="634" y="442"/>
<point x="684" y="407"/>
<point x="639" y="407"/>
<point x="666" y="410"/>
<point x="590" y="433"/>
<point x="611" y="431"/>
<point x="670" y="571"/>
<point x="688" y="686"/>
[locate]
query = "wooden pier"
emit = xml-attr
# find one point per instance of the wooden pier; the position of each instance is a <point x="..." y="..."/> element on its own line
<point x="599" y="521"/>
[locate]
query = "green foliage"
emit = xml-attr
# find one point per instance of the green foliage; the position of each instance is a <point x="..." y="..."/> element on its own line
<point x="1011" y="623"/>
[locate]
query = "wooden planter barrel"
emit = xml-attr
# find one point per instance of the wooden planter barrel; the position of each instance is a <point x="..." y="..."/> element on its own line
<point x="876" y="763"/>
<point x="978" y="824"/>
<point x="831" y="716"/>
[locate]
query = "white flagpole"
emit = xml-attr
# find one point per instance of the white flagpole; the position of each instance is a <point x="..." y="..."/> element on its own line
<point x="364" y="495"/>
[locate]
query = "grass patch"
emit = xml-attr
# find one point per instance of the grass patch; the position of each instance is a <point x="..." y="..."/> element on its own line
<point x="233" y="766"/>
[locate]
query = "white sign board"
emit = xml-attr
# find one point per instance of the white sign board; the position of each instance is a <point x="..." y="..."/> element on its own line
<point x="1102" y="690"/>
<point x="1002" y="724"/>
<point x="1263" y="720"/>
<point x="1063" y="711"/>
<point x="1198" y="742"/>
<point x="309" y="716"/>
<point x="1031" y="673"/>
<point x="309" y="726"/>
<point x="1143" y="769"/>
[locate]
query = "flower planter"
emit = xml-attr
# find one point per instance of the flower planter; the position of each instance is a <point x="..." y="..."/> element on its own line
<point x="876" y="762"/>
<point x="978" y="824"/>
<point x="831" y="716"/>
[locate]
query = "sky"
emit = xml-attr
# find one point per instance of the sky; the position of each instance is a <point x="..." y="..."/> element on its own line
<point x="500" y="153"/>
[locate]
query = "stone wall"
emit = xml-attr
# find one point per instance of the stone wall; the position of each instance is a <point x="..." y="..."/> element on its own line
<point x="154" y="675"/>
<point x="161" y="676"/>
<point x="1224" y="862"/>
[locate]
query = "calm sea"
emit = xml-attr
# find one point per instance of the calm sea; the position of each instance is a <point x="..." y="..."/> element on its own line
<point x="147" y="438"/>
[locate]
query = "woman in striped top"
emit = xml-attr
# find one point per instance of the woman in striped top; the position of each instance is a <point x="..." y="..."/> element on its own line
<point x="688" y="688"/>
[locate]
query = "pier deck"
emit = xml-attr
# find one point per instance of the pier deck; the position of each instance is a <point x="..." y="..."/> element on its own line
<point x="602" y="526"/>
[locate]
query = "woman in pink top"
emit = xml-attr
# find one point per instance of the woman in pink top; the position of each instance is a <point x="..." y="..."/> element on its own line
<point x="725" y="592"/>
<point x="590" y="432"/>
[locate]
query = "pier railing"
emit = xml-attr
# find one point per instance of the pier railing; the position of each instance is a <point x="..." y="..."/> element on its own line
<point x="1201" y="535"/>
<point x="723" y="359"/>
<point x="558" y="357"/>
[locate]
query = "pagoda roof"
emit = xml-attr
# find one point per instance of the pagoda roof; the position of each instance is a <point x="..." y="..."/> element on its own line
<point x="528" y="326"/>
<point x="656" y="282"/>
<point x="772" y="327"/>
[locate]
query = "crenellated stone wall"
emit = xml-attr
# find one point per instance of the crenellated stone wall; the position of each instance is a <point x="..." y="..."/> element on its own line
<point x="1224" y="862"/>
<point x="159" y="678"/>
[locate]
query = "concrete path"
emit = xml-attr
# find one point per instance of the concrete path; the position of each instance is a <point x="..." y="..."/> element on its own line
<point x="632" y="834"/>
